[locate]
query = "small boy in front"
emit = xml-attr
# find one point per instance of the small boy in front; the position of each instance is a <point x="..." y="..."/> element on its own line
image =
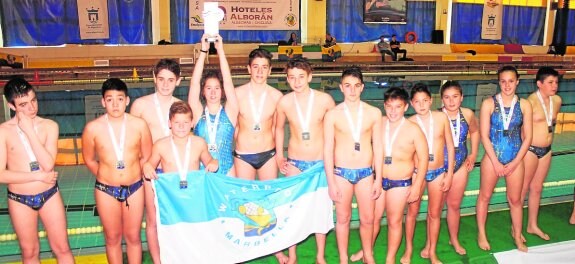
<point x="182" y="151"/>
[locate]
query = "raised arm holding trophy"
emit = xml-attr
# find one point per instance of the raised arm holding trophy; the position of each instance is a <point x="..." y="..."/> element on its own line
<point x="212" y="16"/>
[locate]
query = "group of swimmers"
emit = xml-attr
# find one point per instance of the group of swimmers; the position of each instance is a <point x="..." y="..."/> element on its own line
<point x="384" y="160"/>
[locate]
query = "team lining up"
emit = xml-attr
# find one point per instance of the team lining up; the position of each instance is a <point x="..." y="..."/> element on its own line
<point x="385" y="161"/>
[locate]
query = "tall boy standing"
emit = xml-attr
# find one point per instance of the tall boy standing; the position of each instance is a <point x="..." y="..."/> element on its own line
<point x="352" y="150"/>
<point x="305" y="147"/>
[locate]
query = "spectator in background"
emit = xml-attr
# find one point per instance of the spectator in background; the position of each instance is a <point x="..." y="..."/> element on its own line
<point x="329" y="41"/>
<point x="384" y="48"/>
<point x="395" y="44"/>
<point x="293" y="41"/>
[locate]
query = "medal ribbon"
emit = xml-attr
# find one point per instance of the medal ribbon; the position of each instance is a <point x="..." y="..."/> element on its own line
<point x="212" y="128"/>
<point x="388" y="142"/>
<point x="355" y="130"/>
<point x="548" y="115"/>
<point x="257" y="113"/>
<point x="304" y="122"/>
<point x="118" y="148"/>
<point x="163" y="122"/>
<point x="506" y="117"/>
<point x="182" y="168"/>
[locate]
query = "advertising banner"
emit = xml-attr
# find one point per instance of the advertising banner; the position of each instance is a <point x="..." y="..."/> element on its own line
<point x="250" y="14"/>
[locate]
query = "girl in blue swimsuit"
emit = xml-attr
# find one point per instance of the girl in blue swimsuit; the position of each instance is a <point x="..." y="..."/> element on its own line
<point x="216" y="121"/>
<point x="506" y="126"/>
<point x="463" y="123"/>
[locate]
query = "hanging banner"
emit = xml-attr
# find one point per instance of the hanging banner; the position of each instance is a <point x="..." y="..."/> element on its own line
<point x="491" y="24"/>
<point x="250" y="15"/>
<point x="385" y="11"/>
<point x="93" y="19"/>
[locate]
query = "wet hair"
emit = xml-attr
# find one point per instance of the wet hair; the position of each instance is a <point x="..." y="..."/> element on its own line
<point x="395" y="93"/>
<point x="419" y="88"/>
<point x="545" y="72"/>
<point x="212" y="74"/>
<point x="15" y="88"/>
<point x="179" y="107"/>
<point x="114" y="84"/>
<point x="168" y="64"/>
<point x="260" y="53"/>
<point x="299" y="63"/>
<point x="451" y="85"/>
<point x="506" y="69"/>
<point x="353" y="71"/>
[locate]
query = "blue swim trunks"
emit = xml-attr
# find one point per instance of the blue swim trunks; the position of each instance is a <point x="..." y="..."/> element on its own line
<point x="353" y="175"/>
<point x="390" y="184"/>
<point x="34" y="201"/>
<point x="540" y="152"/>
<point x="303" y="165"/>
<point x="122" y="192"/>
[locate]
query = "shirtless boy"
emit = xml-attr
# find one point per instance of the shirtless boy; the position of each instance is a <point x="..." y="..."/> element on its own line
<point x="545" y="104"/>
<point x="115" y="146"/>
<point x="400" y="186"/>
<point x="437" y="130"/>
<point x="153" y="108"/>
<point x="350" y="160"/>
<point x="29" y="145"/>
<point x="257" y="101"/>
<point x="182" y="152"/>
<point x="305" y="147"/>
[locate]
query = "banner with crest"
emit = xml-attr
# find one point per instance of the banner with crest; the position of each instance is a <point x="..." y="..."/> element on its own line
<point x="250" y="15"/>
<point x="491" y="24"/>
<point x="93" y="19"/>
<point x="221" y="219"/>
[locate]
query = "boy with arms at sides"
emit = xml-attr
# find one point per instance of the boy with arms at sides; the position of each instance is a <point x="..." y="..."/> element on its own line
<point x="400" y="186"/>
<point x="546" y="104"/>
<point x="153" y="108"/>
<point x="257" y="101"/>
<point x="305" y="147"/>
<point x="181" y="152"/>
<point x="255" y="131"/>
<point x="437" y="130"/>
<point x="29" y="145"/>
<point x="350" y="129"/>
<point x="115" y="146"/>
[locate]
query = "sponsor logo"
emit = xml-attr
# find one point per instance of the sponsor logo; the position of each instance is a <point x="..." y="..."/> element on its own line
<point x="290" y="20"/>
